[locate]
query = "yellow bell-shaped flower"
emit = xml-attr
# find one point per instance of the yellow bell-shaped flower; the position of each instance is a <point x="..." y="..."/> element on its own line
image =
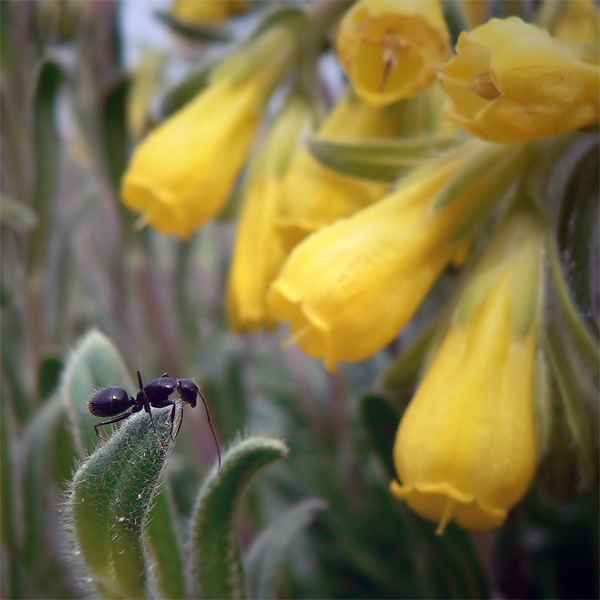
<point x="578" y="23"/>
<point x="348" y="289"/>
<point x="206" y="11"/>
<point x="475" y="12"/>
<point x="259" y="250"/>
<point x="313" y="195"/>
<point x="511" y="82"/>
<point x="390" y="49"/>
<point x="183" y="171"/>
<point x="466" y="447"/>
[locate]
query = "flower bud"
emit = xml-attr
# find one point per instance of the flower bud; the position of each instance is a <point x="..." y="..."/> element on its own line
<point x="183" y="171"/>
<point x="313" y="195"/>
<point x="259" y="251"/>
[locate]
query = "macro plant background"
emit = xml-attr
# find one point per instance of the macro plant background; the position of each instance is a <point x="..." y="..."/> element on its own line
<point x="302" y="507"/>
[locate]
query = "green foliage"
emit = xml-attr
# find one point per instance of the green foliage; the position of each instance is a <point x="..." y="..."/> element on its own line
<point x="110" y="501"/>
<point x="378" y="160"/>
<point x="194" y="32"/>
<point x="216" y="567"/>
<point x="87" y="299"/>
<point x="270" y="551"/>
<point x="164" y="547"/>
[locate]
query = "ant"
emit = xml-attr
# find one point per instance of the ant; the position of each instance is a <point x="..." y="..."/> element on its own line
<point x="110" y="401"/>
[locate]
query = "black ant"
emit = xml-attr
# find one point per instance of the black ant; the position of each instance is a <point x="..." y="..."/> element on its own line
<point x="111" y="401"/>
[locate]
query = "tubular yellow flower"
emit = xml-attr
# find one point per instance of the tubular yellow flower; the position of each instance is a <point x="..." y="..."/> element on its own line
<point x="312" y="195"/>
<point x="145" y="82"/>
<point x="349" y="288"/>
<point x="475" y="12"/>
<point x="578" y="23"/>
<point x="183" y="171"/>
<point x="259" y="251"/>
<point x="206" y="11"/>
<point x="511" y="82"/>
<point x="466" y="447"/>
<point x="391" y="48"/>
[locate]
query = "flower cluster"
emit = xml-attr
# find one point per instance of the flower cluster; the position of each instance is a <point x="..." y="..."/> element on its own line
<point x="346" y="248"/>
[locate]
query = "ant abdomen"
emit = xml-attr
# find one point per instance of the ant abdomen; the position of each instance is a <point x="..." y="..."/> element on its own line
<point x="110" y="401"/>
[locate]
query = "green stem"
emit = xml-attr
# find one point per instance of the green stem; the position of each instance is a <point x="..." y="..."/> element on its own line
<point x="581" y="336"/>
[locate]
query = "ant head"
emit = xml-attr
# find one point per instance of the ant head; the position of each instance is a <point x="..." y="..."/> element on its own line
<point x="188" y="391"/>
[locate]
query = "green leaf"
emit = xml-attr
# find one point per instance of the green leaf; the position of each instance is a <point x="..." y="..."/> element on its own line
<point x="49" y="371"/>
<point x="559" y="469"/>
<point x="381" y="421"/>
<point x="181" y="93"/>
<point x="16" y="214"/>
<point x="452" y="561"/>
<point x="205" y="33"/>
<point x="269" y="553"/>
<point x="7" y="32"/>
<point x="9" y="526"/>
<point x="114" y="130"/>
<point x="403" y="373"/>
<point x="586" y="346"/>
<point x="13" y="356"/>
<point x="215" y="561"/>
<point x="10" y="290"/>
<point x="110" y="501"/>
<point x="94" y="363"/>
<point x="165" y="548"/>
<point x="473" y="171"/>
<point x="579" y="397"/>
<point x="578" y="236"/>
<point x="382" y="160"/>
<point x="48" y="459"/>
<point x="46" y="155"/>
<point x="8" y="535"/>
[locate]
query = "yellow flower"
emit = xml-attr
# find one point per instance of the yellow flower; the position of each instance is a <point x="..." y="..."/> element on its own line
<point x="391" y="48"/>
<point x="206" y="11"/>
<point x="578" y="23"/>
<point x="466" y="447"/>
<point x="475" y="12"/>
<point x="511" y="82"/>
<point x="259" y="251"/>
<point x="145" y="82"/>
<point x="349" y="288"/>
<point x="312" y="195"/>
<point x="183" y="171"/>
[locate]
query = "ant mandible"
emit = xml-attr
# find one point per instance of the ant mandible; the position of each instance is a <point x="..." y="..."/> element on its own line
<point x="111" y="401"/>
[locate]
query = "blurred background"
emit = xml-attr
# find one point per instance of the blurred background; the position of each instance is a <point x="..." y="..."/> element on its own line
<point x="81" y="84"/>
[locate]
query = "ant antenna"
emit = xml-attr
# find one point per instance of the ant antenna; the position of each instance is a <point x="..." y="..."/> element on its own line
<point x="211" y="428"/>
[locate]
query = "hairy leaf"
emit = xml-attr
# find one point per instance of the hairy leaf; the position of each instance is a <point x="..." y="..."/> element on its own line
<point x="94" y="363"/>
<point x="270" y="551"/>
<point x="111" y="498"/>
<point x="215" y="561"/>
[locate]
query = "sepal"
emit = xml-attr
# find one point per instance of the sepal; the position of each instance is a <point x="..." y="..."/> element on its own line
<point x="380" y="160"/>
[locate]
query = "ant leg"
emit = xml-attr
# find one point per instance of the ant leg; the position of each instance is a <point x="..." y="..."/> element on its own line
<point x="173" y="411"/>
<point x="139" y="378"/>
<point x="211" y="427"/>
<point x="165" y="374"/>
<point x="109" y="421"/>
<point x="148" y="409"/>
